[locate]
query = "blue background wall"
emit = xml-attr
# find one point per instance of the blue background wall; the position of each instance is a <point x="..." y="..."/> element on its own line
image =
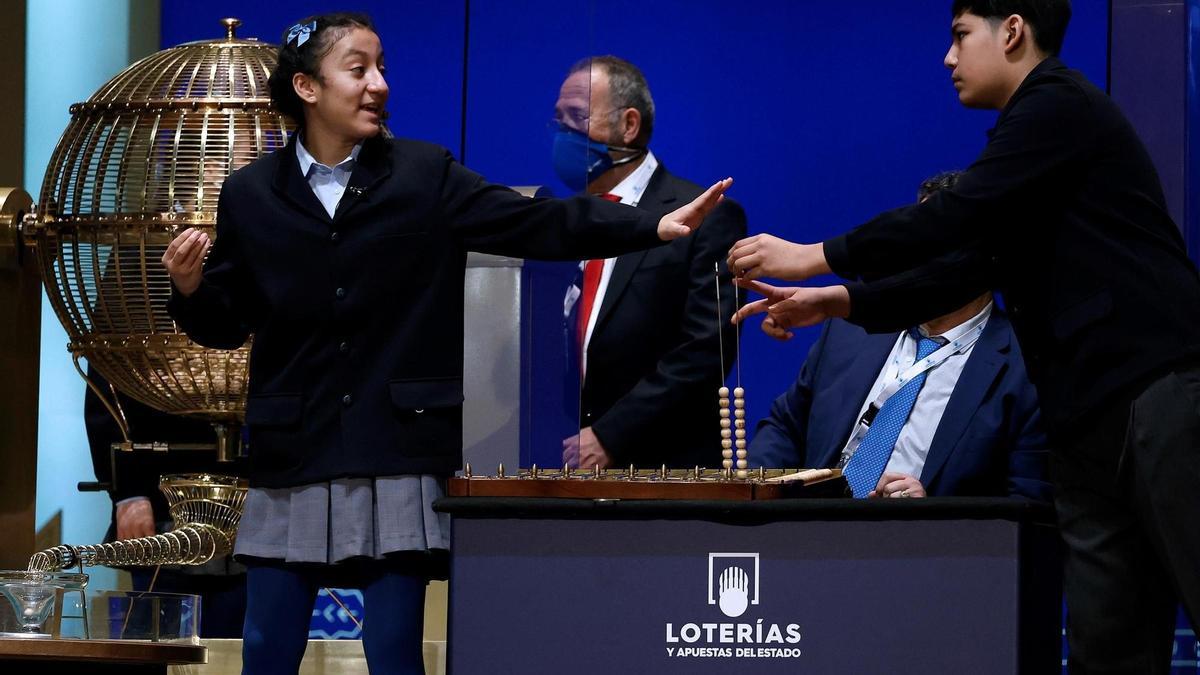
<point x="824" y="113"/>
<point x="422" y="41"/>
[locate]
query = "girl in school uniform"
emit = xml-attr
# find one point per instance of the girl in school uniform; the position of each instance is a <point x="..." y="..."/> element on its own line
<point x="344" y="254"/>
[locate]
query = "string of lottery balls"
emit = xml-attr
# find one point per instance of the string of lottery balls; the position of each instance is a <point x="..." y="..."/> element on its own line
<point x="733" y="422"/>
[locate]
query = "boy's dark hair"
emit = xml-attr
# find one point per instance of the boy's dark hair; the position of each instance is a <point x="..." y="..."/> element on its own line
<point x="302" y="53"/>
<point x="942" y="181"/>
<point x="1047" y="18"/>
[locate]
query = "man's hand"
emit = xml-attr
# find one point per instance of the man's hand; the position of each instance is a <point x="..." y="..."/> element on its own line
<point x="584" y="451"/>
<point x="789" y="308"/>
<point x="184" y="259"/>
<point x="683" y="220"/>
<point x="135" y="518"/>
<point x="571" y="452"/>
<point x="765" y="255"/>
<point x="898" y="485"/>
<point x="591" y="452"/>
<point x="772" y="329"/>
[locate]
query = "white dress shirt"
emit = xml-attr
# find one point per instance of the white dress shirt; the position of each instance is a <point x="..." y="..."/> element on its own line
<point x="912" y="446"/>
<point x="327" y="182"/>
<point x="630" y="191"/>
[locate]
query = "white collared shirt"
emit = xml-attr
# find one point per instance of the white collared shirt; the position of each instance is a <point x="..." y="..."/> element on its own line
<point x="630" y="191"/>
<point x="912" y="446"/>
<point x="328" y="183"/>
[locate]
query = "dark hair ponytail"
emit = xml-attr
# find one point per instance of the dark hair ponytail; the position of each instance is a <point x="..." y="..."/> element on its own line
<point x="301" y="49"/>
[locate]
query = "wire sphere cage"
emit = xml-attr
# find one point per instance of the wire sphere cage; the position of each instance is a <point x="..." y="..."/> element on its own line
<point x="141" y="160"/>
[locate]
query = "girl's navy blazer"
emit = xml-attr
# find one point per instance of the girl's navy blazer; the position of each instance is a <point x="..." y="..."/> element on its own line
<point x="357" y="320"/>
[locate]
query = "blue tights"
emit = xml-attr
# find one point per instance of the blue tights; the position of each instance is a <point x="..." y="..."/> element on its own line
<point x="279" y="602"/>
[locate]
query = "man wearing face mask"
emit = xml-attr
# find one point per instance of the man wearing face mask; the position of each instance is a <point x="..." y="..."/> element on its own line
<point x="644" y="325"/>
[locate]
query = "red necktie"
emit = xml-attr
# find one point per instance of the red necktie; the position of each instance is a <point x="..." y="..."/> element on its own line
<point x="592" y="272"/>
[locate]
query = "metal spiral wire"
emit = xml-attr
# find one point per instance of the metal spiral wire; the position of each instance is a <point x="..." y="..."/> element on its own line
<point x="206" y="510"/>
<point x="191" y="545"/>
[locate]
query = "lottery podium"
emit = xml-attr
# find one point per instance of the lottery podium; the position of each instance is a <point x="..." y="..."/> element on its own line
<point x="591" y="586"/>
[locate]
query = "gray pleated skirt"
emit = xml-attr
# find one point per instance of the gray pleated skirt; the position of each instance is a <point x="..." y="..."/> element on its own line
<point x="346" y="518"/>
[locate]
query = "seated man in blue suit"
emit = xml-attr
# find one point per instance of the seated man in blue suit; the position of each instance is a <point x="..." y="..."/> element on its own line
<point x="947" y="405"/>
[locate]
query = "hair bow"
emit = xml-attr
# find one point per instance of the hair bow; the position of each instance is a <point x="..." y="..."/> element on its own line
<point x="300" y="33"/>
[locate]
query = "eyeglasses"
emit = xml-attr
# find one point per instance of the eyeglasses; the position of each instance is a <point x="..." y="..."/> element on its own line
<point x="577" y="119"/>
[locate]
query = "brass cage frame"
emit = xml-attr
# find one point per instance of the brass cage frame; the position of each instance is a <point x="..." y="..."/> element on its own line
<point x="142" y="159"/>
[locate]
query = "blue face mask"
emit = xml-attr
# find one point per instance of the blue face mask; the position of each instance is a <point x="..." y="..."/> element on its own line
<point x="578" y="160"/>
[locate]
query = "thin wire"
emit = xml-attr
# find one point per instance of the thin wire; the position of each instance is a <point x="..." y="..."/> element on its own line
<point x="346" y="609"/>
<point x="739" y="423"/>
<point x="737" y="337"/>
<point x="720" y="323"/>
<point x="139" y="596"/>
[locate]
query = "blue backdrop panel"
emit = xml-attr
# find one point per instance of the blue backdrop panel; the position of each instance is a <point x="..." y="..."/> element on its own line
<point x="516" y="62"/>
<point x="422" y="41"/>
<point x="824" y="113"/>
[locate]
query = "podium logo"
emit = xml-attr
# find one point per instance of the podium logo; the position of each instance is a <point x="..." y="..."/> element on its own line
<point x="733" y="582"/>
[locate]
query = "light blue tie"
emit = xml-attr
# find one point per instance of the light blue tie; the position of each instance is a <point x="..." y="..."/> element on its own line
<point x="865" y="468"/>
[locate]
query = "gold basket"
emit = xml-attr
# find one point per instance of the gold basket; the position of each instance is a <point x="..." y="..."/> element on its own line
<point x="141" y="159"/>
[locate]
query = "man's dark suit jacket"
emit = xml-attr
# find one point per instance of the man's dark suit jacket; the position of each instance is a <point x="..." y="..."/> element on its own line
<point x="357" y="359"/>
<point x="989" y="441"/>
<point x="654" y="360"/>
<point x="1064" y="214"/>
